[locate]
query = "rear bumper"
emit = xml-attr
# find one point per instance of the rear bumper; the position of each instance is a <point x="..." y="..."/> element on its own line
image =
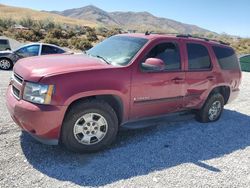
<point x="233" y="95"/>
<point x="43" y="122"/>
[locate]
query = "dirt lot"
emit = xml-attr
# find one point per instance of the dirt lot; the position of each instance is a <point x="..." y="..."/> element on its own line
<point x="171" y="154"/>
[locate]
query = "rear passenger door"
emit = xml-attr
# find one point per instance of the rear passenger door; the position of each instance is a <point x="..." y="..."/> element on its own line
<point x="199" y="73"/>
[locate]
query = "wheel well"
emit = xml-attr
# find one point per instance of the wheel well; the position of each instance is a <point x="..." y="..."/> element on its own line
<point x="223" y="90"/>
<point x="114" y="101"/>
<point x="7" y="59"/>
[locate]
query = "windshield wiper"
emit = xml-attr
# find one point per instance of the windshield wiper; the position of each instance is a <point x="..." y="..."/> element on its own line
<point x="100" y="57"/>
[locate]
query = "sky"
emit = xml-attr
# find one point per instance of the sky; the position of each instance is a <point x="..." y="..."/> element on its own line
<point x="229" y="16"/>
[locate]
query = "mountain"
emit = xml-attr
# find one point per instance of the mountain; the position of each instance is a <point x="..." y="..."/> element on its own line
<point x="17" y="13"/>
<point x="140" y="21"/>
<point x="90" y="13"/>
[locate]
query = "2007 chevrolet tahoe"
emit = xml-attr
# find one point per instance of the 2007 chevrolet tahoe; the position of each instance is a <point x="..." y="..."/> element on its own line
<point x="81" y="100"/>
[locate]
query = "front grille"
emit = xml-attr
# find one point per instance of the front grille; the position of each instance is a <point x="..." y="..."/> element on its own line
<point x="18" y="78"/>
<point x="16" y="92"/>
<point x="17" y="85"/>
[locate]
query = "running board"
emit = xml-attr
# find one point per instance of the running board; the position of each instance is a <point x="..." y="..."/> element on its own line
<point x="158" y="120"/>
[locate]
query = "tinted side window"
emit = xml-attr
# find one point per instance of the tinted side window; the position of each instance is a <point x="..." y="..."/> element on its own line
<point x="198" y="57"/>
<point x="32" y="50"/>
<point x="46" y="50"/>
<point x="168" y="53"/>
<point x="226" y="58"/>
<point x="4" y="42"/>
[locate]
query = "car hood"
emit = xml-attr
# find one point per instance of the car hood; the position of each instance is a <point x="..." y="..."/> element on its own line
<point x="33" y="69"/>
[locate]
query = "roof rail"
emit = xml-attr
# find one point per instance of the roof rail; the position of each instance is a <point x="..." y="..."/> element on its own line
<point x="159" y="33"/>
<point x="202" y="38"/>
<point x="148" y="32"/>
<point x="184" y="35"/>
<point x="188" y="36"/>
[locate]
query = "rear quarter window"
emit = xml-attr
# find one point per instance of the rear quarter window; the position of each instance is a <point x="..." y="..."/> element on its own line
<point x="226" y="57"/>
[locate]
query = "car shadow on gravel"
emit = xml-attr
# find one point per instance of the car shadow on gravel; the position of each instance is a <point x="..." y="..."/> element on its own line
<point x="140" y="152"/>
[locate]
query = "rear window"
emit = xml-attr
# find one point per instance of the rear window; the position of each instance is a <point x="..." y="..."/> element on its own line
<point x="46" y="50"/>
<point x="226" y="58"/>
<point x="4" y="42"/>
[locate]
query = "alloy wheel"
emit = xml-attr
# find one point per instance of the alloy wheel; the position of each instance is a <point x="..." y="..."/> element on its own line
<point x="90" y="128"/>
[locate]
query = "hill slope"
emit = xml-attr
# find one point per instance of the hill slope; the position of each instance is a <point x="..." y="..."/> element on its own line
<point x="90" y="13"/>
<point x="17" y="13"/>
<point x="131" y="20"/>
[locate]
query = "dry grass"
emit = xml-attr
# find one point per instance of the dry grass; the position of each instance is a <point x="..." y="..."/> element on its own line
<point x="17" y="13"/>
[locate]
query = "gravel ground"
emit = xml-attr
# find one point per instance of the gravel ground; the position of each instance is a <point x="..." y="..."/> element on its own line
<point x="171" y="154"/>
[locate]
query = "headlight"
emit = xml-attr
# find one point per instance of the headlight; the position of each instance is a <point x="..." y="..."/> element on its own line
<point x="38" y="93"/>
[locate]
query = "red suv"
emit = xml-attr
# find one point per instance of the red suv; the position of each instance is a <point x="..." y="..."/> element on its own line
<point x="81" y="100"/>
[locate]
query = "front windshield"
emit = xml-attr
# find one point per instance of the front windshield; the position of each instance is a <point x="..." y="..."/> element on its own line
<point x="118" y="50"/>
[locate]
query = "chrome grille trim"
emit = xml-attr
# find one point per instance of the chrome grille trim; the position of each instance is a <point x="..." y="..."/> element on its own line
<point x="16" y="86"/>
<point x="15" y="92"/>
<point x="18" y="78"/>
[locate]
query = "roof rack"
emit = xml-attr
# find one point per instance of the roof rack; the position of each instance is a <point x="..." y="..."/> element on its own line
<point x="159" y="33"/>
<point x="188" y="36"/>
<point x="202" y="38"/>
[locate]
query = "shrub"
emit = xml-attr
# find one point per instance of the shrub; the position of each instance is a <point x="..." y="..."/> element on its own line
<point x="1" y="30"/>
<point x="80" y="44"/>
<point x="29" y="35"/>
<point x="55" y="33"/>
<point x="48" y="25"/>
<point x="102" y="31"/>
<point x="55" y="41"/>
<point x="7" y="23"/>
<point x="70" y="34"/>
<point x="112" y="32"/>
<point x="91" y="36"/>
<point x="27" y="22"/>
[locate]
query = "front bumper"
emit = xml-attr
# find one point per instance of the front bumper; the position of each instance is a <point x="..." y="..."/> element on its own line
<point x="43" y="122"/>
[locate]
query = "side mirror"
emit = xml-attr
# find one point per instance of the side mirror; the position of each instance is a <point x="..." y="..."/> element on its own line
<point x="153" y="64"/>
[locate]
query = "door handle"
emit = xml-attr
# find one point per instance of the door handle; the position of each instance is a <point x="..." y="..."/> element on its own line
<point x="178" y="80"/>
<point x="211" y="78"/>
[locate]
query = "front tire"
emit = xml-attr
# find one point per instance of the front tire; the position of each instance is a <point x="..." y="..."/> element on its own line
<point x="6" y="64"/>
<point x="212" y="109"/>
<point x="89" y="126"/>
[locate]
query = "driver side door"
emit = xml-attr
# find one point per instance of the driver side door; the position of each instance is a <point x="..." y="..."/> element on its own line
<point x="155" y="92"/>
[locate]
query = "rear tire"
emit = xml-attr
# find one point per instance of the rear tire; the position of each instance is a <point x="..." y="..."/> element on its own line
<point x="6" y="64"/>
<point x="89" y="126"/>
<point x="212" y="109"/>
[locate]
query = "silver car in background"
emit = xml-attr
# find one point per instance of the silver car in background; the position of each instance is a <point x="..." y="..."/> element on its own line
<point x="4" y="45"/>
<point x="9" y="58"/>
